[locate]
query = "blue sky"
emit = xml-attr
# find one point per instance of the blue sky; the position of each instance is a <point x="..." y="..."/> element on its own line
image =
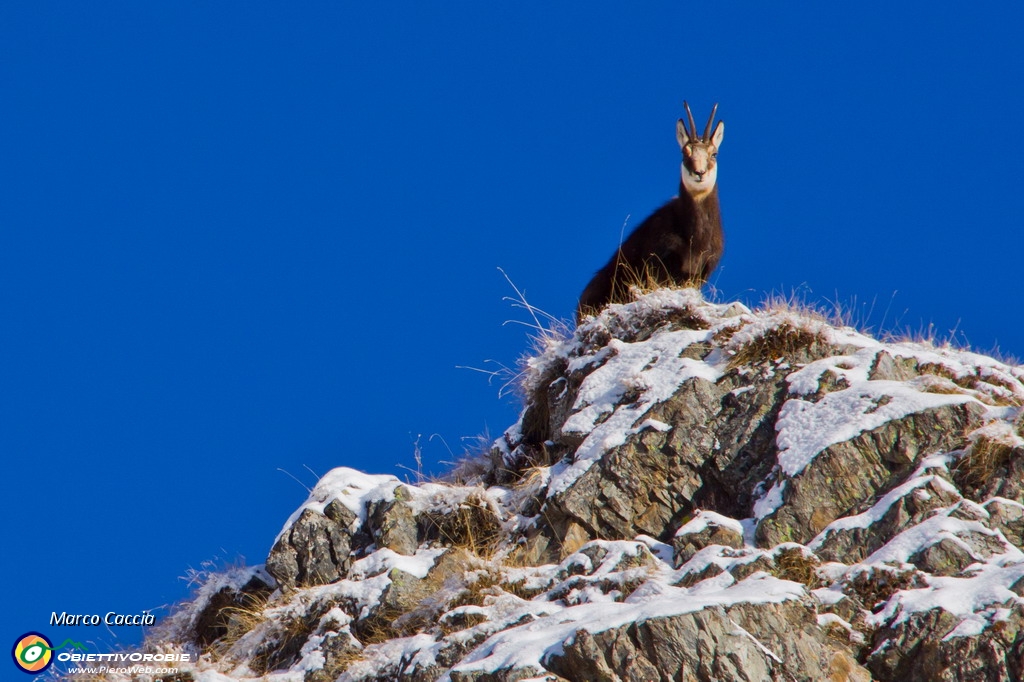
<point x="244" y="239"/>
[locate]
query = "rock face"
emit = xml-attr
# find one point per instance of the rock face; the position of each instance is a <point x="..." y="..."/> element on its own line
<point x="694" y="491"/>
<point x="780" y="642"/>
<point x="315" y="550"/>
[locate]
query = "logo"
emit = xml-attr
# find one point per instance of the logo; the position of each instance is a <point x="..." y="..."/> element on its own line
<point x="33" y="652"/>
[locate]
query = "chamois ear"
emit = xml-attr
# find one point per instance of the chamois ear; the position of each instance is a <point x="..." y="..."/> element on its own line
<point x="681" y="136"/>
<point x="716" y="137"/>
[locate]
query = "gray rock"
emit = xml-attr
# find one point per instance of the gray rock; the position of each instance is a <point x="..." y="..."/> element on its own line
<point x="341" y="515"/>
<point x="403" y="595"/>
<point x="745" y="569"/>
<point x="392" y="523"/>
<point x="1008" y="518"/>
<point x="694" y="576"/>
<point x="752" y="642"/>
<point x="686" y="545"/>
<point x="851" y="545"/>
<point x="918" y="649"/>
<point x="338" y="649"/>
<point x="887" y="367"/>
<point x="949" y="557"/>
<point x="646" y="485"/>
<point x="945" y="557"/>
<point x="720" y="447"/>
<point x="825" y="491"/>
<point x="314" y="551"/>
<point x="744" y="441"/>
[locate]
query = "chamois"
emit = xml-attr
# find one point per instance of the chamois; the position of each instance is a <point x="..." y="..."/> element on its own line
<point x="682" y="241"/>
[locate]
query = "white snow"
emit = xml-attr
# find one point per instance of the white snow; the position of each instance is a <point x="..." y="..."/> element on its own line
<point x="770" y="501"/>
<point x="911" y="541"/>
<point x="1000" y="432"/>
<point x="739" y="630"/>
<point x="384" y="559"/>
<point x="703" y="518"/>
<point x="805" y="429"/>
<point x="350" y="487"/>
<point x="652" y="424"/>
<point x="380" y="657"/>
<point x="972" y="599"/>
<point x="527" y="645"/>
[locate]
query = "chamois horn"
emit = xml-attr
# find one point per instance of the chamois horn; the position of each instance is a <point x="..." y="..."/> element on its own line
<point x="693" y="126"/>
<point x="711" y="119"/>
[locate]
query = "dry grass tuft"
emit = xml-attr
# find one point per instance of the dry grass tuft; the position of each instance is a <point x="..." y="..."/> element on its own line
<point x="378" y="627"/>
<point x="794" y="563"/>
<point x="631" y="283"/>
<point x="334" y="666"/>
<point x="426" y="608"/>
<point x="795" y="304"/>
<point x="287" y="645"/>
<point x="475" y="590"/>
<point x="991" y="449"/>
<point x="777" y="342"/>
<point x="470" y="469"/>
<point x="237" y="621"/>
<point x="785" y="327"/>
<point x="877" y="585"/>
<point x="473" y="526"/>
<point x="536" y="426"/>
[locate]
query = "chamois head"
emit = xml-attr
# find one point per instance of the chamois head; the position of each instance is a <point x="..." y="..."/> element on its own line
<point x="699" y="169"/>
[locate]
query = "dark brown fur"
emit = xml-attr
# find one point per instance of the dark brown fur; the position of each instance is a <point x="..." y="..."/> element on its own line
<point x="680" y="243"/>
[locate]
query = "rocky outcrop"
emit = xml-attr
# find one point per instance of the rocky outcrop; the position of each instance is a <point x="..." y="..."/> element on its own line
<point x="879" y="457"/>
<point x="694" y="491"/>
<point x="777" y="642"/>
<point x="314" y="550"/>
<point x="926" y="646"/>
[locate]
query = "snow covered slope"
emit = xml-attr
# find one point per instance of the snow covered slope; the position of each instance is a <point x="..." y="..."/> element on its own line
<point x="693" y="491"/>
